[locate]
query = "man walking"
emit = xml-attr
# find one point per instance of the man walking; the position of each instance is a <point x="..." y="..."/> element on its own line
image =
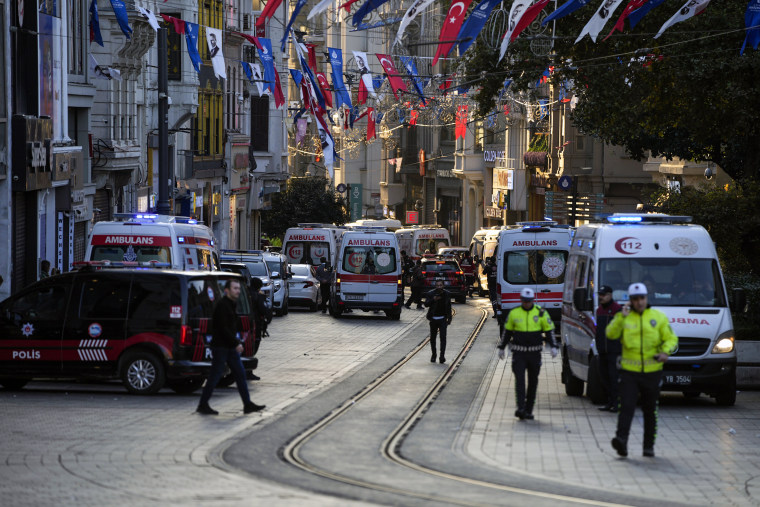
<point x="647" y="341"/>
<point x="609" y="350"/>
<point x="439" y="314"/>
<point x="491" y="271"/>
<point x="324" y="275"/>
<point x="226" y="349"/>
<point x="527" y="327"/>
<point x="417" y="281"/>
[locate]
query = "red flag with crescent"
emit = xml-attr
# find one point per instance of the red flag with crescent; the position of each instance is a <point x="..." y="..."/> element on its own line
<point x="413" y="115"/>
<point x="460" y="128"/>
<point x="179" y="25"/>
<point x="347" y="5"/>
<point x="393" y="78"/>
<point x="325" y="87"/>
<point x="620" y="25"/>
<point x="363" y="93"/>
<point x="267" y="13"/>
<point x="371" y="123"/>
<point x="451" y="27"/>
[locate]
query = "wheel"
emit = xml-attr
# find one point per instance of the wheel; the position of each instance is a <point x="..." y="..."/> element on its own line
<point x="727" y="397"/>
<point x="186" y="386"/>
<point x="313" y="307"/>
<point x="573" y="385"/>
<point x="142" y="372"/>
<point x="13" y="384"/>
<point x="396" y="315"/>
<point x="285" y="309"/>
<point x="278" y="313"/>
<point x="595" y="387"/>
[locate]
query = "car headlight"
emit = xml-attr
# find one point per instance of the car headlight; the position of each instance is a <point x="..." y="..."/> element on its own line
<point x="724" y="344"/>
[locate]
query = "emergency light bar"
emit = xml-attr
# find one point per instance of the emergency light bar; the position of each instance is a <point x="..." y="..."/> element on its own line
<point x="652" y="218"/>
<point x="153" y="218"/>
<point x="537" y="223"/>
<point x="120" y="264"/>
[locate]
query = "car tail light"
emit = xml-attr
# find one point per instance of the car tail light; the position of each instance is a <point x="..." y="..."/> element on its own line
<point x="308" y="284"/>
<point x="460" y="272"/>
<point x="186" y="336"/>
<point x="337" y="285"/>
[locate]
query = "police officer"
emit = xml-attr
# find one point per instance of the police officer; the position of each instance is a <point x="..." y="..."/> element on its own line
<point x="324" y="275"/>
<point x="527" y="327"/>
<point x="647" y="341"/>
<point x="609" y="350"/>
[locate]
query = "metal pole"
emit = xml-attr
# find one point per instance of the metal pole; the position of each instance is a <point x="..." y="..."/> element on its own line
<point x="163" y="207"/>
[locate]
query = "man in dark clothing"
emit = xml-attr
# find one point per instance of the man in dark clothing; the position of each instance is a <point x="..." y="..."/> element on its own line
<point x="260" y="317"/>
<point x="439" y="314"/>
<point x="406" y="270"/>
<point x="609" y="350"/>
<point x="417" y="280"/>
<point x="226" y="349"/>
<point x="324" y="275"/>
<point x="491" y="271"/>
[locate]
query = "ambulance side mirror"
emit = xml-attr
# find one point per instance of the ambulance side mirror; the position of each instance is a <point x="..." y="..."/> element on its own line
<point x="739" y="300"/>
<point x="581" y="300"/>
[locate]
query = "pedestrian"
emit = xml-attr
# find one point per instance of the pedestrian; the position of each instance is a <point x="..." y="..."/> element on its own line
<point x="417" y="280"/>
<point x="44" y="269"/>
<point x="528" y="327"/>
<point x="324" y="275"/>
<point x="406" y="268"/>
<point x="439" y="314"/>
<point x="226" y="349"/>
<point x="609" y="350"/>
<point x="491" y="272"/>
<point x="260" y="314"/>
<point x="468" y="270"/>
<point x="647" y="341"/>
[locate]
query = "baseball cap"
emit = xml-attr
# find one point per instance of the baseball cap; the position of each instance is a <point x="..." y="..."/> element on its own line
<point x="605" y="289"/>
<point x="637" y="289"/>
<point x="527" y="293"/>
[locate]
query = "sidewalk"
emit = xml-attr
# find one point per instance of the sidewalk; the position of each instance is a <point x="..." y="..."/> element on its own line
<point x="705" y="454"/>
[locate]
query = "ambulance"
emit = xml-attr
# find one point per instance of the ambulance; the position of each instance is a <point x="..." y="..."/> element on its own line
<point x="418" y="239"/>
<point x="308" y="243"/>
<point x="181" y="242"/>
<point x="678" y="263"/>
<point x="368" y="273"/>
<point x="483" y="244"/>
<point x="533" y="255"/>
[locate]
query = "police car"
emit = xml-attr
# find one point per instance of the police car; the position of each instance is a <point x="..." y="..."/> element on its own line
<point x="446" y="269"/>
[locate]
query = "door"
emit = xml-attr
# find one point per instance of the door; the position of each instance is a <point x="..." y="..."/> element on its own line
<point x="354" y="273"/>
<point x="31" y="325"/>
<point x="383" y="283"/>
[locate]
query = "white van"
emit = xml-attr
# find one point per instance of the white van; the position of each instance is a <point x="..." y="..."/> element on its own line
<point x="141" y="237"/>
<point x="368" y="273"/>
<point x="678" y="264"/>
<point x="420" y="238"/>
<point x="308" y="243"/>
<point x="483" y="244"/>
<point x="533" y="255"/>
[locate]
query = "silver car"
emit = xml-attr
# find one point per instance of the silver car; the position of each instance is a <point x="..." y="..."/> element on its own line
<point x="280" y="271"/>
<point x="304" y="287"/>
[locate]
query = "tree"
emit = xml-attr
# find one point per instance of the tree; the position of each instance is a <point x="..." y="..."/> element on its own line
<point x="688" y="94"/>
<point x="304" y="200"/>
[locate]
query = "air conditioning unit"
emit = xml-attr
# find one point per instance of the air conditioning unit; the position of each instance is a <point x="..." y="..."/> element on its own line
<point x="246" y="21"/>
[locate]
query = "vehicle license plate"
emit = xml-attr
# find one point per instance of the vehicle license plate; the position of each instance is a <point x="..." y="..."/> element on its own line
<point x="681" y="380"/>
<point x="354" y="297"/>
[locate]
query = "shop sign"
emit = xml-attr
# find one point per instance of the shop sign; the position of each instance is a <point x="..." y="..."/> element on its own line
<point x="492" y="155"/>
<point x="412" y="217"/>
<point x="503" y="179"/>
<point x="445" y="173"/>
<point x="539" y="180"/>
<point x="491" y="212"/>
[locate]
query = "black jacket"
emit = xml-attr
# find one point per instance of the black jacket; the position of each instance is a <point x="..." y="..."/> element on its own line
<point x="604" y="316"/>
<point x="438" y="306"/>
<point x="226" y="324"/>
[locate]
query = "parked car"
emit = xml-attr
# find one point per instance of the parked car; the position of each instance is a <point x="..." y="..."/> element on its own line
<point x="304" y="287"/>
<point x="279" y="268"/>
<point x="257" y="266"/>
<point x="448" y="270"/>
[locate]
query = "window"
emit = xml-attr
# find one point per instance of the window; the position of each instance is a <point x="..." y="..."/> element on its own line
<point x="44" y="303"/>
<point x="260" y="123"/>
<point x="202" y="295"/>
<point x="440" y="267"/>
<point x="207" y="140"/>
<point x="243" y="308"/>
<point x="369" y="260"/>
<point x="580" y="143"/>
<point x="131" y="253"/>
<point x="152" y="297"/>
<point x="307" y="252"/>
<point x="430" y="245"/>
<point x="104" y="298"/>
<point x="76" y="36"/>
<point x="543" y="267"/>
<point x="174" y="50"/>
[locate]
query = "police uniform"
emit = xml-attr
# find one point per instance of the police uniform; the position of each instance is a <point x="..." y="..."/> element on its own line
<point x="525" y="332"/>
<point x="643" y="336"/>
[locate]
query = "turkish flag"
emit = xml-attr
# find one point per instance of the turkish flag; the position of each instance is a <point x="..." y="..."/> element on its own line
<point x="451" y="27"/>
<point x="279" y="98"/>
<point x="460" y="128"/>
<point x="390" y="70"/>
<point x="371" y="123"/>
<point x="179" y="25"/>
<point x="250" y="38"/>
<point x="312" y="56"/>
<point x="267" y="13"/>
<point x="413" y="117"/>
<point x="361" y="97"/>
<point x="620" y="25"/>
<point x="325" y="87"/>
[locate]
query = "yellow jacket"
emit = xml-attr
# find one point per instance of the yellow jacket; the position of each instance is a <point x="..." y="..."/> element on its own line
<point x="643" y="336"/>
<point x="526" y="330"/>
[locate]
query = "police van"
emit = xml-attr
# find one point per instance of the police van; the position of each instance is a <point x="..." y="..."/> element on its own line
<point x="368" y="273"/>
<point x="678" y="263"/>
<point x="181" y="242"/>
<point x="533" y="255"/>
<point x="419" y="239"/>
<point x="308" y="243"/>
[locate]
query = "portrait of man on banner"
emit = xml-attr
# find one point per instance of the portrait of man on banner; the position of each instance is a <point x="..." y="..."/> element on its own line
<point x="214" y="39"/>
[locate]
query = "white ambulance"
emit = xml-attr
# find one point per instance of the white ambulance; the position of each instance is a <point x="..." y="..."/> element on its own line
<point x="308" y="243"/>
<point x="678" y="263"/>
<point x="484" y="243"/>
<point x="422" y="238"/>
<point x="368" y="273"/>
<point x="142" y="237"/>
<point x="533" y="255"/>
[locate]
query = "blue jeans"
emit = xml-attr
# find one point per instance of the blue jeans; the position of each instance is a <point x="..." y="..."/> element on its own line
<point x="225" y="357"/>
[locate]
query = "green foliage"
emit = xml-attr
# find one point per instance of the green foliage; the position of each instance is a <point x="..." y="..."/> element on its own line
<point x="539" y="143"/>
<point x="688" y="94"/>
<point x="304" y="200"/>
<point x="746" y="320"/>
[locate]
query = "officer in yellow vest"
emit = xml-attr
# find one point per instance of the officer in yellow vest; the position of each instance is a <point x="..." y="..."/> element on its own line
<point x="527" y="328"/>
<point x="647" y="341"/>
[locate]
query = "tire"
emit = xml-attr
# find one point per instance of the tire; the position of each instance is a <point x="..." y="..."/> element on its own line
<point x="595" y="389"/>
<point x="142" y="372"/>
<point x="313" y="307"/>
<point x="286" y="309"/>
<point x="727" y="397"/>
<point x="13" y="384"/>
<point x="186" y="386"/>
<point x="573" y="385"/>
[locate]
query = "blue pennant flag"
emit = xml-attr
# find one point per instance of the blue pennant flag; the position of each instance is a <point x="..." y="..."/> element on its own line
<point x="247" y="70"/>
<point x="191" y="37"/>
<point x="297" y="76"/>
<point x="475" y="23"/>
<point x="751" y="18"/>
<point x="265" y="54"/>
<point x="543" y="108"/>
<point x="565" y="9"/>
<point x="365" y="9"/>
<point x="411" y="69"/>
<point x="364" y="26"/>
<point x="341" y="93"/>
<point x="296" y="10"/>
<point x="377" y="81"/>
<point x="507" y="82"/>
<point x="121" y="16"/>
<point x="95" y="35"/>
<point x="635" y="16"/>
<point x="401" y="116"/>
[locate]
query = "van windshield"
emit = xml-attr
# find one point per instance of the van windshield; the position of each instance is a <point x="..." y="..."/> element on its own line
<point x="670" y="282"/>
<point x="131" y="253"/>
<point x="430" y="245"/>
<point x="307" y="252"/>
<point x="369" y="260"/>
<point x="535" y="267"/>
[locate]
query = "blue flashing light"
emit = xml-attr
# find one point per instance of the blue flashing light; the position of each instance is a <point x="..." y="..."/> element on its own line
<point x="180" y="239"/>
<point x="628" y="219"/>
<point x="191" y="221"/>
<point x="146" y="216"/>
